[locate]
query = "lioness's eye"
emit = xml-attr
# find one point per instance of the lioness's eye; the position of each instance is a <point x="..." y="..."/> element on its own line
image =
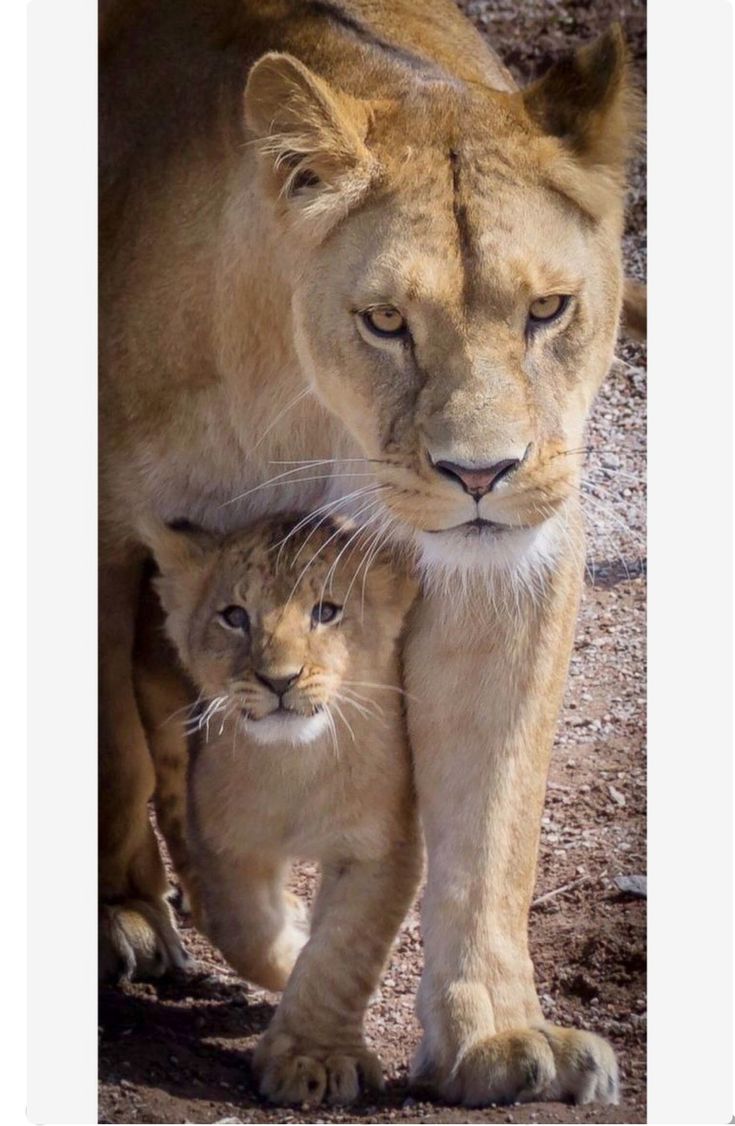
<point x="545" y="309"/>
<point x="384" y="320"/>
<point x="236" y="617"/>
<point x="324" y="612"/>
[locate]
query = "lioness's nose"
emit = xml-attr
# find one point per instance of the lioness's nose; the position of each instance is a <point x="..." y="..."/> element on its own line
<point x="478" y="481"/>
<point x="279" y="684"/>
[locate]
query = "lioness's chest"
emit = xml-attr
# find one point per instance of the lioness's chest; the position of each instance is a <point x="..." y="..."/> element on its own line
<point x="220" y="472"/>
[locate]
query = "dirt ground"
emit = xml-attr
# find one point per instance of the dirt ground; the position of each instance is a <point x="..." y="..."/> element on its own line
<point x="178" y="1051"/>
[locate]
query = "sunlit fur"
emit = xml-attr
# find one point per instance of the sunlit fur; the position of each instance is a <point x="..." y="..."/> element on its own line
<point x="326" y="777"/>
<point x="268" y="176"/>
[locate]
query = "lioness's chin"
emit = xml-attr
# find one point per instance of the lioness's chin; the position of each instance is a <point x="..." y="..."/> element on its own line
<point x="294" y="730"/>
<point x="469" y="551"/>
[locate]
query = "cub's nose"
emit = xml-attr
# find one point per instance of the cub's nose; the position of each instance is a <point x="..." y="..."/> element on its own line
<point x="279" y="684"/>
<point x="478" y="481"/>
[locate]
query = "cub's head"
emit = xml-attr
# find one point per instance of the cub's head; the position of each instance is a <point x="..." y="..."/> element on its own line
<point x="272" y="623"/>
<point x="456" y="260"/>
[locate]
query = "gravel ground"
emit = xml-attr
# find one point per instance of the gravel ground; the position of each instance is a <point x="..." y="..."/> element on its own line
<point x="178" y="1051"/>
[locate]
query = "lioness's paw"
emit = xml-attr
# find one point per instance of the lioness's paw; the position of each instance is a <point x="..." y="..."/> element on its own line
<point x="138" y="939"/>
<point x="510" y="1067"/>
<point x="544" y="1063"/>
<point x="314" y="1076"/>
<point x="586" y="1067"/>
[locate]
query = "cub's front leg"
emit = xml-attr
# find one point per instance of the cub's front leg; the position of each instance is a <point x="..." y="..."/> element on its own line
<point x="314" y="1049"/>
<point x="486" y="680"/>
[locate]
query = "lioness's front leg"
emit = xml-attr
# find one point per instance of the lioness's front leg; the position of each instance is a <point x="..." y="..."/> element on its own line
<point x="314" y="1049"/>
<point x="485" y="687"/>
<point x="137" y="933"/>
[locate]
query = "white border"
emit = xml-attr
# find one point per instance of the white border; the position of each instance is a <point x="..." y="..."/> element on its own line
<point x="62" y="203"/>
<point x="691" y="926"/>
<point x="690" y="556"/>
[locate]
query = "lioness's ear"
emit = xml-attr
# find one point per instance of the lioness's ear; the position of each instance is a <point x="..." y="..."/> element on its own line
<point x="311" y="136"/>
<point x="586" y="101"/>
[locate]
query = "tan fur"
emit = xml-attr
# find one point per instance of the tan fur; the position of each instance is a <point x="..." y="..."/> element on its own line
<point x="381" y="155"/>
<point x="344" y="797"/>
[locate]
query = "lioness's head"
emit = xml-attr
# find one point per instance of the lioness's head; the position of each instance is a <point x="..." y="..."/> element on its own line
<point x="275" y="625"/>
<point x="457" y="281"/>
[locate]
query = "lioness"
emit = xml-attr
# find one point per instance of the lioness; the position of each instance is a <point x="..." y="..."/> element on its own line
<point x="290" y="638"/>
<point x="341" y="252"/>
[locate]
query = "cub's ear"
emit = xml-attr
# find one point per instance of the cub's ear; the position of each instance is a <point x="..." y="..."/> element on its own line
<point x="311" y="137"/>
<point x="587" y="102"/>
<point x="179" y="547"/>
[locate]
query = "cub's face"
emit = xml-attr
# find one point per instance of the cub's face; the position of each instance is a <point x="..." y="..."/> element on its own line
<point x="273" y="626"/>
<point x="459" y="284"/>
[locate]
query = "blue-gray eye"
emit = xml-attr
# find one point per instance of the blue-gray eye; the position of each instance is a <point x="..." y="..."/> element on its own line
<point x="324" y="612"/>
<point x="236" y="617"/>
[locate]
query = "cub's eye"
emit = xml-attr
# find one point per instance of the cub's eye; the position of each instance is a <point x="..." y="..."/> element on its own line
<point x="384" y="320"/>
<point x="324" y="612"/>
<point x="236" y="617"/>
<point x="546" y="309"/>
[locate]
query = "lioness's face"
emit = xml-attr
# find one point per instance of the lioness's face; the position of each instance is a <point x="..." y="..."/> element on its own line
<point x="275" y="628"/>
<point x="460" y="326"/>
<point x="459" y="315"/>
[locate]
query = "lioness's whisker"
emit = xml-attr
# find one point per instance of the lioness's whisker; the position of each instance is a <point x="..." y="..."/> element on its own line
<point x="606" y="509"/>
<point x="289" y="472"/>
<point x="373" y="552"/>
<point x="369" y="540"/>
<point x="350" y="542"/>
<point x="326" y="508"/>
<point x="301" y="395"/>
<point x="333" y="461"/>
<point x="317" y="553"/>
<point x="361" y="512"/>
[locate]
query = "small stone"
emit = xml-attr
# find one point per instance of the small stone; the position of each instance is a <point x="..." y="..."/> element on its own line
<point x="632" y="885"/>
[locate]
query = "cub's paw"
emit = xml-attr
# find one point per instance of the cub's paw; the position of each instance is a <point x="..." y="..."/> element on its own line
<point x="544" y="1063"/>
<point x="306" y="1074"/>
<point x="138" y="939"/>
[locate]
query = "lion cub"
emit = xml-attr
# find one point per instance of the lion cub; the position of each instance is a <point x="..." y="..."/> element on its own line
<point x="300" y="751"/>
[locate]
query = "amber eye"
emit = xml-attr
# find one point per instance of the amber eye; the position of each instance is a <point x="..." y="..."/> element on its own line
<point x="545" y="309"/>
<point x="384" y="320"/>
<point x="236" y="617"/>
<point x="324" y="612"/>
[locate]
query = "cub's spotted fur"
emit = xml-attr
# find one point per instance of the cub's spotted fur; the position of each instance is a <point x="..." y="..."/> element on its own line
<point x="292" y="646"/>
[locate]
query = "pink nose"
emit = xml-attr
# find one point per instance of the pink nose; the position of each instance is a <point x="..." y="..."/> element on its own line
<point x="477" y="482"/>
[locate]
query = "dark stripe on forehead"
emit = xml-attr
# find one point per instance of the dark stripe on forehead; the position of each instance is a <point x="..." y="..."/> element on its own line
<point x="346" y="22"/>
<point x="466" y="250"/>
